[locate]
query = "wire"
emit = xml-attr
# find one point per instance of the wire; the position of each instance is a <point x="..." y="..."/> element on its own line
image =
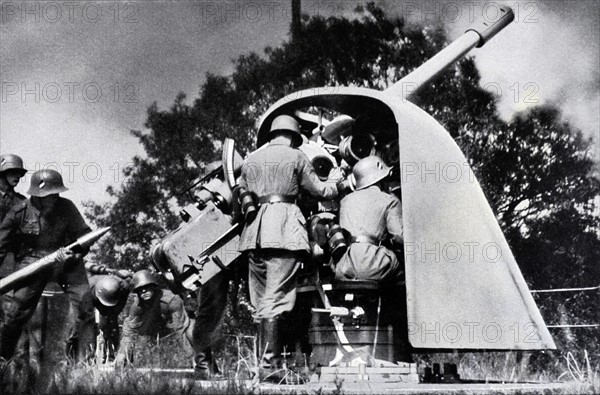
<point x="565" y="289"/>
<point x="574" y="326"/>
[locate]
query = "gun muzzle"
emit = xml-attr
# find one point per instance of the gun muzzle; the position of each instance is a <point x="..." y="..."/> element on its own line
<point x="477" y="36"/>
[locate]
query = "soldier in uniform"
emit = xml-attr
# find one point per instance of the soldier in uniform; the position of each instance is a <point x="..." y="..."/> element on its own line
<point x="155" y="312"/>
<point x="35" y="228"/>
<point x="371" y="216"/>
<point x="11" y="171"/>
<point x="109" y="290"/>
<point x="276" y="240"/>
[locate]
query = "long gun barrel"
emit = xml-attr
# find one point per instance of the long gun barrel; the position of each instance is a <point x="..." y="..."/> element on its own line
<point x="474" y="37"/>
<point x="10" y="282"/>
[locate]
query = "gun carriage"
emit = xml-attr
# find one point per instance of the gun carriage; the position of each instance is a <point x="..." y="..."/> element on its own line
<point x="463" y="303"/>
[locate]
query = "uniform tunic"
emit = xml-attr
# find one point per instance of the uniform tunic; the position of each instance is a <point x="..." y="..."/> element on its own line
<point x="277" y="236"/>
<point x="164" y="315"/>
<point x="280" y="170"/>
<point x="375" y="214"/>
<point x="8" y="200"/>
<point x="33" y="235"/>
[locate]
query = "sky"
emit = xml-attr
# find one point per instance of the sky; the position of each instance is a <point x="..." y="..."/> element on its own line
<point x="76" y="77"/>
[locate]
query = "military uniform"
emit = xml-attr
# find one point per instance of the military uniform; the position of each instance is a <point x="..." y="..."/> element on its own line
<point x="277" y="237"/>
<point x="371" y="216"/>
<point x="33" y="235"/>
<point x="109" y="315"/>
<point x="8" y="200"/>
<point x="161" y="317"/>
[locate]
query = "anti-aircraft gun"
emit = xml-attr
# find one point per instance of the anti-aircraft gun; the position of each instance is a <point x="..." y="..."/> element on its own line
<point x="464" y="290"/>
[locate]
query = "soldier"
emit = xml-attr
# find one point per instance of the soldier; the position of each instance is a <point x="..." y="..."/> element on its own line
<point x="371" y="216"/>
<point x="154" y="312"/>
<point x="11" y="171"/>
<point x="276" y="239"/>
<point x="109" y="290"/>
<point x="35" y="228"/>
<point x="374" y="220"/>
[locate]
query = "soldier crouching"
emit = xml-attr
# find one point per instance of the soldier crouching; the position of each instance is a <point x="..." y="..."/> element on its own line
<point x="156" y="314"/>
<point x="373" y="218"/>
<point x="109" y="291"/>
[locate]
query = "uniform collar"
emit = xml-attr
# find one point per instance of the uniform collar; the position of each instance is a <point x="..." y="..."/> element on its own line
<point x="278" y="143"/>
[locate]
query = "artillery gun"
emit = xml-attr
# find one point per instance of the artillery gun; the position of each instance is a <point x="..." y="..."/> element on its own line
<point x="458" y="295"/>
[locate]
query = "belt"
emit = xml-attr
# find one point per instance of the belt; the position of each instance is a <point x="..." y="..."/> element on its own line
<point x="277" y="199"/>
<point x="364" y="239"/>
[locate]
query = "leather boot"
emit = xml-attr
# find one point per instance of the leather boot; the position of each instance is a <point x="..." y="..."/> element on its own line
<point x="271" y="367"/>
<point x="206" y="368"/>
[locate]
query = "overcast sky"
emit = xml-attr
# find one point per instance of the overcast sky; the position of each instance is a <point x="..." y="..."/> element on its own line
<point x="77" y="76"/>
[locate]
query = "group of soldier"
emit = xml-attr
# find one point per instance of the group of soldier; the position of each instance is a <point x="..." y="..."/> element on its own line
<point x="275" y="243"/>
<point x="33" y="228"/>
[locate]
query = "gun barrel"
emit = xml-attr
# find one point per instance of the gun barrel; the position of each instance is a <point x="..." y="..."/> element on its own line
<point x="9" y="282"/>
<point x="476" y="36"/>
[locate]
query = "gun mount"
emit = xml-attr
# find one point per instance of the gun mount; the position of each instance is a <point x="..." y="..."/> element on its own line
<point x="465" y="301"/>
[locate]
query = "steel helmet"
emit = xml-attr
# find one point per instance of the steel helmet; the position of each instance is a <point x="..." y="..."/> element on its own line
<point x="369" y="171"/>
<point x="108" y="290"/>
<point x="46" y="182"/>
<point x="142" y="278"/>
<point x="290" y="124"/>
<point x="12" y="162"/>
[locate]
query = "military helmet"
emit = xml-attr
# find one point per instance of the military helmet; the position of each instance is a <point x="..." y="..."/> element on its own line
<point x="369" y="171"/>
<point x="142" y="278"/>
<point x="290" y="124"/>
<point x="46" y="182"/>
<point x="108" y="290"/>
<point x="12" y="162"/>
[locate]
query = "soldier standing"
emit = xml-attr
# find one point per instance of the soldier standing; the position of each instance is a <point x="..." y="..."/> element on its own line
<point x="11" y="171"/>
<point x="277" y="239"/>
<point x="155" y="312"/>
<point x="35" y="228"/>
<point x="109" y="290"/>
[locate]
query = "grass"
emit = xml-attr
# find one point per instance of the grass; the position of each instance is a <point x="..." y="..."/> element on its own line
<point x="583" y="374"/>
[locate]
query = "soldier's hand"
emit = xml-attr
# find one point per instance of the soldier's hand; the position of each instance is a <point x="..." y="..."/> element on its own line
<point x="123" y="273"/>
<point x="64" y="255"/>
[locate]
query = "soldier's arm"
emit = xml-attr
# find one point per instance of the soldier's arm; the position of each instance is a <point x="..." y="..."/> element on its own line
<point x="310" y="182"/>
<point x="7" y="231"/>
<point x="179" y="321"/>
<point x="96" y="268"/>
<point x="131" y="328"/>
<point x="393" y="217"/>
